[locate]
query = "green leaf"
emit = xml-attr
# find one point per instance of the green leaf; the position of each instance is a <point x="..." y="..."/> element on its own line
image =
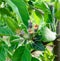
<point x="21" y="54"/>
<point x="43" y="6"/>
<point x="2" y="23"/>
<point x="14" y="37"/>
<point x="14" y="41"/>
<point x="38" y="46"/>
<point x="4" y="11"/>
<point x="35" y="19"/>
<point x="47" y="55"/>
<point x="3" y="54"/>
<point x="15" y="10"/>
<point x="5" y="31"/>
<point x="58" y="15"/>
<point x="12" y="24"/>
<point x="34" y="59"/>
<point x="57" y="4"/>
<point x="20" y="9"/>
<point x="29" y="46"/>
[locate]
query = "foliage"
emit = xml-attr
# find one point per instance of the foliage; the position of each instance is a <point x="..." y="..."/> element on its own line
<point x="47" y="56"/>
<point x="26" y="26"/>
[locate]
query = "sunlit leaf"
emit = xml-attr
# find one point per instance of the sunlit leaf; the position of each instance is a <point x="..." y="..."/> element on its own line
<point x="19" y="7"/>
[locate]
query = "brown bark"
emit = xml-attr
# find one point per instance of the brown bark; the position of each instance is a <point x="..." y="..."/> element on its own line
<point x="57" y="44"/>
